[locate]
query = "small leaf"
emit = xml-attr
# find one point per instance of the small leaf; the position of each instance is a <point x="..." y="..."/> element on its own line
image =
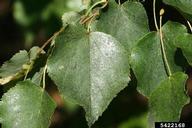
<point x="13" y="68"/>
<point x="18" y="65"/>
<point x="167" y="101"/>
<point x="70" y="18"/>
<point x="26" y="106"/>
<point x="171" y="31"/>
<point x="127" y="22"/>
<point x="14" y="65"/>
<point x="37" y="78"/>
<point x="184" y="42"/>
<point x="89" y="69"/>
<point x="33" y="53"/>
<point x="136" y="122"/>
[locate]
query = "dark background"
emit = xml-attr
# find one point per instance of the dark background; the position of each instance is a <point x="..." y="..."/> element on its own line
<point x="15" y="36"/>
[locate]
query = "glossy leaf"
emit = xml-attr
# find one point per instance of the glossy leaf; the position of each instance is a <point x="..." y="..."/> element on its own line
<point x="127" y="22"/>
<point x="89" y="69"/>
<point x="26" y="106"/>
<point x="167" y="101"/>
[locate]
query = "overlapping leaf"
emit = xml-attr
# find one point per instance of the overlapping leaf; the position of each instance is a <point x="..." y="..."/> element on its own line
<point x="18" y="65"/>
<point x="147" y="63"/>
<point x="70" y="18"/>
<point x="184" y="6"/>
<point x="136" y="122"/>
<point x="26" y="106"/>
<point x="171" y="32"/>
<point x="127" y="22"/>
<point x="146" y="57"/>
<point x="149" y="67"/>
<point x="184" y="41"/>
<point x="167" y="101"/>
<point x="89" y="69"/>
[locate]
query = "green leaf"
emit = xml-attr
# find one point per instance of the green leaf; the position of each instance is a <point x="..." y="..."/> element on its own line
<point x="171" y="31"/>
<point x="184" y="42"/>
<point x="13" y="68"/>
<point x="33" y="53"/>
<point x="147" y="63"/>
<point x="26" y="106"/>
<point x="136" y="122"/>
<point x="37" y="78"/>
<point x="59" y="7"/>
<point x="18" y="65"/>
<point x="182" y="5"/>
<point x="127" y="22"/>
<point x="70" y="18"/>
<point x="167" y="101"/>
<point x="146" y="57"/>
<point x="14" y="65"/>
<point x="89" y="69"/>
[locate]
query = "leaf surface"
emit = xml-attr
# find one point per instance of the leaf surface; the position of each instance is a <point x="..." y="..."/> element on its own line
<point x="183" y="6"/>
<point x="171" y="31"/>
<point x="167" y="101"/>
<point x="26" y="106"/>
<point x="184" y="42"/>
<point x="147" y="59"/>
<point x="147" y="63"/>
<point x="14" y="65"/>
<point x="89" y="69"/>
<point x="18" y="65"/>
<point x="127" y="22"/>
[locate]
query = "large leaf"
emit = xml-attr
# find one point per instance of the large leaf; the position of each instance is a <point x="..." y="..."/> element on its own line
<point x="147" y="63"/>
<point x="146" y="57"/>
<point x="184" y="41"/>
<point x="18" y="65"/>
<point x="182" y="5"/>
<point x="26" y="106"/>
<point x="89" y="69"/>
<point x="167" y="101"/>
<point x="126" y="22"/>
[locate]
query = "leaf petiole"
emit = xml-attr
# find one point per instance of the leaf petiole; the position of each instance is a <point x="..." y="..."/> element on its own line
<point x="189" y="25"/>
<point x="44" y="76"/>
<point x="154" y="15"/>
<point x="162" y="45"/>
<point x="97" y="3"/>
